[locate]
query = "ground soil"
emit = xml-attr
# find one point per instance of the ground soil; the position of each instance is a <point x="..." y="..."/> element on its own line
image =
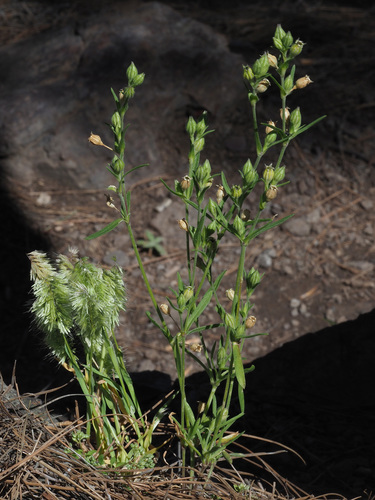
<point x="317" y="273"/>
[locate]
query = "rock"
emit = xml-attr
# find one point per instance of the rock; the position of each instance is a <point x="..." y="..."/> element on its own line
<point x="298" y="226"/>
<point x="56" y="85"/>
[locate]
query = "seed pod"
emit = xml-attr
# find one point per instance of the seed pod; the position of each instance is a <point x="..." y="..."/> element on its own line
<point x="270" y="127"/>
<point x="229" y="320"/>
<point x="245" y="215"/>
<point x="272" y="60"/>
<point x="183" y="224"/>
<point x="96" y="140"/>
<point x="250" y="322"/>
<point x="230" y="294"/>
<point x="286" y="113"/>
<point x="188" y="293"/>
<point x="195" y="347"/>
<point x="165" y="309"/>
<point x="239" y="226"/>
<point x="185" y="183"/>
<point x="296" y="48"/>
<point x="219" y="194"/>
<point x="301" y="83"/>
<point x="198" y="145"/>
<point x="271" y="193"/>
<point x="263" y="85"/>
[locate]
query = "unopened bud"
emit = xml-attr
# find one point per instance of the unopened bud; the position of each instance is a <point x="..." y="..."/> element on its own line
<point x="212" y="207"/>
<point x="301" y="83"/>
<point x="261" y="65"/>
<point x="269" y="140"/>
<point x="138" y="80"/>
<point x="165" y="309"/>
<point x="188" y="293"/>
<point x="131" y="72"/>
<point x="221" y="357"/>
<point x="116" y="120"/>
<point x="263" y="85"/>
<point x="183" y="225"/>
<point x="288" y="84"/>
<point x="253" y="278"/>
<point x="198" y="145"/>
<point x="230" y="294"/>
<point x="287" y="40"/>
<point x="229" y="320"/>
<point x="249" y="173"/>
<point x="271" y="193"/>
<point x="250" y="322"/>
<point x="268" y="173"/>
<point x="295" y="120"/>
<point x="239" y="226"/>
<point x="236" y="191"/>
<point x="248" y="74"/>
<point x="191" y="126"/>
<point x="279" y="174"/>
<point x="96" y="140"/>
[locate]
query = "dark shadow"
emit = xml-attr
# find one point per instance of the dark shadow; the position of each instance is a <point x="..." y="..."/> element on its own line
<point x="19" y="343"/>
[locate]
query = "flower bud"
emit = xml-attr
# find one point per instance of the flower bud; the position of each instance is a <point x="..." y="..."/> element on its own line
<point x="138" y="80"/>
<point x="129" y="92"/>
<point x="236" y="191"/>
<point x="198" y="145"/>
<point x="229" y="321"/>
<point x="287" y="40"/>
<point x="253" y="278"/>
<point x="263" y="85"/>
<point x="117" y="165"/>
<point x="279" y="32"/>
<point x="230" y="294"/>
<point x="272" y="60"/>
<point x="116" y="121"/>
<point x="248" y="74"/>
<point x="295" y="120"/>
<point x="221" y="358"/>
<point x="220" y="194"/>
<point x="296" y="48"/>
<point x="191" y="126"/>
<point x="188" y="293"/>
<point x="250" y="322"/>
<point x="131" y="73"/>
<point x="301" y="83"/>
<point x="185" y="183"/>
<point x="165" y="309"/>
<point x="239" y="226"/>
<point x="249" y="173"/>
<point x="203" y="173"/>
<point x="271" y="193"/>
<point x="268" y="173"/>
<point x="211" y="228"/>
<point x="288" y="84"/>
<point x="269" y="140"/>
<point x="201" y="125"/>
<point x="183" y="225"/>
<point x="261" y="65"/>
<point x="279" y="174"/>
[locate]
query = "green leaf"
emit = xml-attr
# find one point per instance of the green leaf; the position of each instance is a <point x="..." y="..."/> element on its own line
<point x="199" y="309"/>
<point x="238" y="366"/>
<point x="114" y="95"/>
<point x="112" y="225"/>
<point x="266" y="227"/>
<point x="226" y="187"/>
<point x="135" y="168"/>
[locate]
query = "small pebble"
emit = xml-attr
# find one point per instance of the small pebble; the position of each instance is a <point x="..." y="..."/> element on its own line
<point x="294" y="303"/>
<point x="298" y="226"/>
